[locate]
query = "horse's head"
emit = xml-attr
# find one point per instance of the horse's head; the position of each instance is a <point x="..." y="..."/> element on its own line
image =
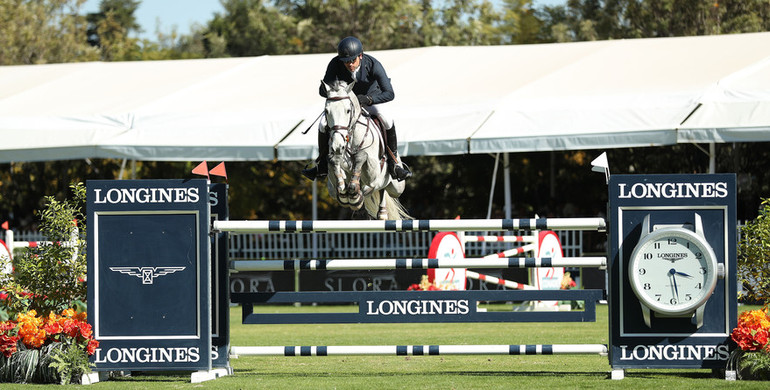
<point x="342" y="107"/>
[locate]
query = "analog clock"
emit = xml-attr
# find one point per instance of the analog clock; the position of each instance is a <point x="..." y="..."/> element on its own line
<point x="673" y="271"/>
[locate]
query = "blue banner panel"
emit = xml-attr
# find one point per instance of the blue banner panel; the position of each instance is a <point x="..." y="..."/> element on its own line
<point x="668" y="235"/>
<point x="417" y="306"/>
<point x="220" y="292"/>
<point x="149" y="274"/>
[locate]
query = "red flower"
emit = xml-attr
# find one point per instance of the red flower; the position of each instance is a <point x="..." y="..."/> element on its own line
<point x="91" y="347"/>
<point x="85" y="330"/>
<point x="3" y="295"/>
<point x="8" y="344"/>
<point x="52" y="328"/>
<point x="750" y="338"/>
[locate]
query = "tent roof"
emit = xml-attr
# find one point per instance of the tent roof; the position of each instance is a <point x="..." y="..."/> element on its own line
<point x="449" y="100"/>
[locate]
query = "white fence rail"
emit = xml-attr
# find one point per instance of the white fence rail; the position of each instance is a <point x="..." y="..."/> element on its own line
<point x="356" y="245"/>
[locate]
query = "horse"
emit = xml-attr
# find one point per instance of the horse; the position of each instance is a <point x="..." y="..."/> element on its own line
<point x="358" y="171"/>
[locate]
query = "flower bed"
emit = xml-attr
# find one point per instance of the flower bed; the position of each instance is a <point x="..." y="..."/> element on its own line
<point x="51" y="349"/>
<point x="752" y="358"/>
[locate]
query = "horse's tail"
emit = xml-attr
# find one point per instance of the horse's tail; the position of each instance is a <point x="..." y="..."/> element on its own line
<point x="394" y="208"/>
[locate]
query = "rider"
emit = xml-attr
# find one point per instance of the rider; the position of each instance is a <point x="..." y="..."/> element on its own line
<point x="372" y="89"/>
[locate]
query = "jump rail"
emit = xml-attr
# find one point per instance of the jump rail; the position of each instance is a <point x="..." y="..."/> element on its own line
<point x="418" y="350"/>
<point x="372" y="264"/>
<point x="236" y="227"/>
<point x="499" y="238"/>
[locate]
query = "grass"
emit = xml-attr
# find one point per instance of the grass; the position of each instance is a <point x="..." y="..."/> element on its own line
<point x="426" y="372"/>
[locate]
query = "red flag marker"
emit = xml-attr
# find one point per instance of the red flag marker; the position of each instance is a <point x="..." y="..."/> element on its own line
<point x="4" y="225"/>
<point x="219" y="170"/>
<point x="202" y="169"/>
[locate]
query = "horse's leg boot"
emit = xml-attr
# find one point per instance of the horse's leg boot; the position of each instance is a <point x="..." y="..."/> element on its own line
<point x="321" y="169"/>
<point x="398" y="170"/>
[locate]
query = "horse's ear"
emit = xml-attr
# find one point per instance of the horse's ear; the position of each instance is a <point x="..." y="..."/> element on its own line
<point x="350" y="87"/>
<point x="328" y="88"/>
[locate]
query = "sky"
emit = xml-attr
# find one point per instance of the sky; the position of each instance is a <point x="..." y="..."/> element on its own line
<point x="180" y="13"/>
<point x="184" y="13"/>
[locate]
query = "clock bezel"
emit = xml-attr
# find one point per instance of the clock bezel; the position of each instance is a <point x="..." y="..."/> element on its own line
<point x="709" y="284"/>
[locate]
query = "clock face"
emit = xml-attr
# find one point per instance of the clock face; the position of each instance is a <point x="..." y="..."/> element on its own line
<point x="673" y="271"/>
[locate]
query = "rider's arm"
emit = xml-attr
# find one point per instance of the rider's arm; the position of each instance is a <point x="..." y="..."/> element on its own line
<point x="386" y="93"/>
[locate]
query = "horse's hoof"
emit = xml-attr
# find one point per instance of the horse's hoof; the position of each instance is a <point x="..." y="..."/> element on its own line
<point x="357" y="202"/>
<point x="382" y="215"/>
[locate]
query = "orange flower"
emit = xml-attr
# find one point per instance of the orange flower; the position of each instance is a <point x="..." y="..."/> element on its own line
<point x="753" y="330"/>
<point x="30" y="329"/>
<point x="754" y="318"/>
<point x="81" y="316"/>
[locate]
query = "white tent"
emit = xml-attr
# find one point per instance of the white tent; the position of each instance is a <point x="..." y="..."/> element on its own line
<point x="449" y="100"/>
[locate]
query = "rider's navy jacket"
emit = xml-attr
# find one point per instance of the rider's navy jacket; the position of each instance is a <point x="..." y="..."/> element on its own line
<point x="371" y="79"/>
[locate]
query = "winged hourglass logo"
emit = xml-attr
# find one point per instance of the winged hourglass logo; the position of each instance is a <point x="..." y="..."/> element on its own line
<point x="147" y="274"/>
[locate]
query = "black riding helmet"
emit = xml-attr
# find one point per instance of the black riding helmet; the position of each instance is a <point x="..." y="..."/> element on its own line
<point x="349" y="48"/>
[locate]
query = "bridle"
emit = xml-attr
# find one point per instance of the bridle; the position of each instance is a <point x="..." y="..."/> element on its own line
<point x="353" y="120"/>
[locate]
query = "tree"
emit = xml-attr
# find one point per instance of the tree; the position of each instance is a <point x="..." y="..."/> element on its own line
<point x="109" y="30"/>
<point x="617" y="19"/>
<point x="520" y="23"/>
<point x="754" y="257"/>
<point x="42" y="31"/>
<point x="55" y="273"/>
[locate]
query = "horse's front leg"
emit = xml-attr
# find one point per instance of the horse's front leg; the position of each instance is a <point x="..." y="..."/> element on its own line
<point x="337" y="179"/>
<point x="354" y="186"/>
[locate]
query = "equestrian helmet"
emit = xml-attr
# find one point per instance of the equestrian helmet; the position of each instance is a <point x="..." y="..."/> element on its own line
<point x="349" y="48"/>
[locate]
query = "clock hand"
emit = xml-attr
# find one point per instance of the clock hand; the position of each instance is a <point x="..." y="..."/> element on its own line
<point x="673" y="272"/>
<point x="683" y="274"/>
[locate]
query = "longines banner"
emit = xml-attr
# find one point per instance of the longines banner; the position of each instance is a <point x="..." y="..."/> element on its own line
<point x="149" y="274"/>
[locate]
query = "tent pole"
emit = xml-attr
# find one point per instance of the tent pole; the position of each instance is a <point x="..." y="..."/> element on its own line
<point x="507" y="185"/>
<point x="712" y="157"/>
<point x="315" y="217"/>
<point x="122" y="169"/>
<point x="492" y="189"/>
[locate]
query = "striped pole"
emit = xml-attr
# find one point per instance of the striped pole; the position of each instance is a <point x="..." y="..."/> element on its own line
<point x="513" y="251"/>
<point x="502" y="282"/>
<point x="35" y="244"/>
<point x="418" y="350"/>
<point x="411" y="225"/>
<point x="372" y="264"/>
<point x="499" y="238"/>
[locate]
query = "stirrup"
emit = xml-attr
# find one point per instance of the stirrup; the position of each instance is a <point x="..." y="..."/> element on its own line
<point x="313" y="173"/>
<point x="401" y="173"/>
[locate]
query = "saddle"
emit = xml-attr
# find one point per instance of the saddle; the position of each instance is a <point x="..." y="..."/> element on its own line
<point x="382" y="153"/>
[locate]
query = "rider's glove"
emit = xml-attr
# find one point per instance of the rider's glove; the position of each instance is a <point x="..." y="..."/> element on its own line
<point x="364" y="100"/>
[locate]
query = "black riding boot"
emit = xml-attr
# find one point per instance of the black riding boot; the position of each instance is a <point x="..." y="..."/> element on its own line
<point x="398" y="170"/>
<point x="321" y="169"/>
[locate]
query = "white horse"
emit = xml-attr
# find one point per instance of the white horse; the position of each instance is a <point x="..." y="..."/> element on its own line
<point x="358" y="171"/>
